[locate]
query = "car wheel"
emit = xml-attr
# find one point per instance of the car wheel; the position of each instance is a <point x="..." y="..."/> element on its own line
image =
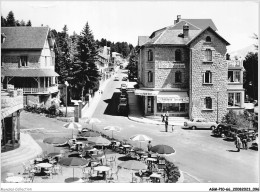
<point x="212" y="127"/>
<point x="222" y="135"/>
<point x="193" y="127"/>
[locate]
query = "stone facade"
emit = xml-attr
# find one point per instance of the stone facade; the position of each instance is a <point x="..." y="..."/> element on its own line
<point x="218" y="67"/>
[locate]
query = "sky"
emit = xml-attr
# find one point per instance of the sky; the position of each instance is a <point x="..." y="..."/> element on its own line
<point x="236" y="21"/>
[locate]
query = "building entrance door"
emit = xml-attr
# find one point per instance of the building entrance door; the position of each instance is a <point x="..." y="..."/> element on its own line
<point x="150" y="104"/>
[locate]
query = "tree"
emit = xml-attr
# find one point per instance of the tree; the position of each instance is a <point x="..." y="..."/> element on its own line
<point x="29" y="23"/>
<point x="3" y="21"/>
<point x="255" y="36"/>
<point x="10" y="20"/>
<point x="251" y="75"/>
<point x="85" y="75"/>
<point x="17" y="23"/>
<point x="22" y="23"/>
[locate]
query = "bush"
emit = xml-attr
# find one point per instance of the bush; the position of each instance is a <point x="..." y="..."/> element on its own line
<point x="241" y="120"/>
<point x="172" y="171"/>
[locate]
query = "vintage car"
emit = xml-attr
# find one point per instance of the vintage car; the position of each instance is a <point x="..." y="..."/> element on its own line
<point x="200" y="123"/>
<point x="241" y="132"/>
<point x="222" y="130"/>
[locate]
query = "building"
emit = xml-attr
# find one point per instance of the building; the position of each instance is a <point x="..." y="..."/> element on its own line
<point x="28" y="63"/>
<point x="117" y="58"/>
<point x="103" y="62"/>
<point x="11" y="106"/>
<point x="182" y="69"/>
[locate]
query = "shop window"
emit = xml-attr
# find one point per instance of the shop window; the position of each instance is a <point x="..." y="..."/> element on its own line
<point x="150" y="76"/>
<point x="172" y="107"/>
<point x="177" y="77"/>
<point x="207" y="77"/>
<point x="208" y="55"/>
<point x="208" y="39"/>
<point x="178" y="55"/>
<point x="150" y="55"/>
<point x="208" y="103"/>
<point x="234" y="99"/>
<point x="23" y="61"/>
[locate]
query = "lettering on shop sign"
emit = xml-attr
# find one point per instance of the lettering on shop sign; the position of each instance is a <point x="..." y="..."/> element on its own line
<point x="172" y="100"/>
<point x="169" y="64"/>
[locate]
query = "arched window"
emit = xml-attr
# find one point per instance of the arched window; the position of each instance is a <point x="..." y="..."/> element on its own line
<point x="208" y="103"/>
<point x="178" y="55"/>
<point x="208" y="54"/>
<point x="177" y="77"/>
<point x="150" y="76"/>
<point x="150" y="55"/>
<point x="208" y="39"/>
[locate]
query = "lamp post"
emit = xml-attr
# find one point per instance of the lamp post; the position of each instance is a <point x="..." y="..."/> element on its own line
<point x="66" y="98"/>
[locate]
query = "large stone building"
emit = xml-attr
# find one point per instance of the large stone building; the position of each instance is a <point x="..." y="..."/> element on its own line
<point x="103" y="61"/>
<point x="182" y="69"/>
<point x="28" y="63"/>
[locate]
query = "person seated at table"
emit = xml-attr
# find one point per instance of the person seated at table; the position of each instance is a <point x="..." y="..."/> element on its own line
<point x="45" y="161"/>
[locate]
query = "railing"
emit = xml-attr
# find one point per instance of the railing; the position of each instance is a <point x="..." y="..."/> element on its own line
<point x="39" y="90"/>
<point x="235" y="63"/>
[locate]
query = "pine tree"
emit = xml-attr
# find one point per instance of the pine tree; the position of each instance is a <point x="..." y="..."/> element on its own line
<point x="22" y="23"/>
<point x="29" y="23"/>
<point x="10" y="20"/>
<point x="3" y="21"/>
<point x="85" y="75"/>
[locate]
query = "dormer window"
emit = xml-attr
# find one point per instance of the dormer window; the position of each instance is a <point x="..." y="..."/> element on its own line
<point x="150" y="55"/>
<point x="23" y="62"/>
<point x="208" y="39"/>
<point x="178" y="55"/>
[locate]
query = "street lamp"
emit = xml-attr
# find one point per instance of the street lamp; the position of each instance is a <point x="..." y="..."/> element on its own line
<point x="67" y="84"/>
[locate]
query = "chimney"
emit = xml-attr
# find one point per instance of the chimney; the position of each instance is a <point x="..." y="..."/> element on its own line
<point x="185" y="30"/>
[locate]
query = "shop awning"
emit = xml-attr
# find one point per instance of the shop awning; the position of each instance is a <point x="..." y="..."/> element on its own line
<point x="172" y="97"/>
<point x="146" y="92"/>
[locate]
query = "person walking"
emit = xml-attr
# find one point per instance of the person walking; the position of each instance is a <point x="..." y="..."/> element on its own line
<point x="244" y="142"/>
<point x="167" y="116"/>
<point x="149" y="146"/>
<point x="166" y="125"/>
<point x="238" y="143"/>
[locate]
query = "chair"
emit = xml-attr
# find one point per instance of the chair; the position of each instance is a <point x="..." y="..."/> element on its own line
<point x="49" y="173"/>
<point x="57" y="169"/>
<point x="26" y="169"/>
<point x="134" y="180"/>
<point x="114" y="173"/>
<point x="29" y="179"/>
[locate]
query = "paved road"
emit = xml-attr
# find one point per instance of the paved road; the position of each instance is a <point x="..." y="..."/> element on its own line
<point x="205" y="158"/>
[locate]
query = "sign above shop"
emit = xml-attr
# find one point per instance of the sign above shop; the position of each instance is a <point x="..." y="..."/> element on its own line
<point x="146" y="92"/>
<point x="170" y="64"/>
<point x="172" y="97"/>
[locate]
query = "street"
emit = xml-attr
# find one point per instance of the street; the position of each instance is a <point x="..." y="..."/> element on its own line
<point x="204" y="157"/>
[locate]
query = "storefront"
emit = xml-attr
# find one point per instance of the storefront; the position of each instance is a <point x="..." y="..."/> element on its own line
<point x="158" y="102"/>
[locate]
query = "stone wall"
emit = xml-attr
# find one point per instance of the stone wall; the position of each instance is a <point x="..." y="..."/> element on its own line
<point x="219" y="70"/>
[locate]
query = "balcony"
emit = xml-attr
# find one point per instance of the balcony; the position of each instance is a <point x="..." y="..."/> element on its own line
<point x="238" y="64"/>
<point x="41" y="90"/>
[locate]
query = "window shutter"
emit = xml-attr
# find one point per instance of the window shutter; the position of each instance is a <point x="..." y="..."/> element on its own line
<point x="203" y="78"/>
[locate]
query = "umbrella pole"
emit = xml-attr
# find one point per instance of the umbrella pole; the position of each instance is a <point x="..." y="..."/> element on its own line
<point x="73" y="174"/>
<point x="112" y="134"/>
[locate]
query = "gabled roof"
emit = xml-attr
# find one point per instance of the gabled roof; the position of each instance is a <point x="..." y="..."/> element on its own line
<point x="142" y="40"/>
<point x="24" y="37"/>
<point x="210" y="29"/>
<point x="201" y="23"/>
<point x="27" y="72"/>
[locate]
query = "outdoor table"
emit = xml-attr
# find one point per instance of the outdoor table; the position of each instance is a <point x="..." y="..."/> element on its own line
<point x="140" y="153"/>
<point x="14" y="179"/>
<point x="103" y="169"/>
<point x="156" y="176"/>
<point x="44" y="166"/>
<point x="38" y="159"/>
<point x="151" y="160"/>
<point x="125" y="147"/>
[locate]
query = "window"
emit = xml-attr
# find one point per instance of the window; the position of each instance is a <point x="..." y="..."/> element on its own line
<point x="208" y="54"/>
<point x="23" y="61"/>
<point x="150" y="55"/>
<point x="234" y="99"/>
<point x="208" y="103"/>
<point x="234" y="76"/>
<point x="208" y="39"/>
<point x="207" y="77"/>
<point x="150" y="76"/>
<point x="177" y="77"/>
<point x="178" y="55"/>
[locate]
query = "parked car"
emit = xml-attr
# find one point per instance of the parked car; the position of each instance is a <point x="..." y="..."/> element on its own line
<point x="116" y="79"/>
<point x="254" y="145"/>
<point x="124" y="79"/>
<point x="200" y="123"/>
<point x="222" y="130"/>
<point x="241" y="132"/>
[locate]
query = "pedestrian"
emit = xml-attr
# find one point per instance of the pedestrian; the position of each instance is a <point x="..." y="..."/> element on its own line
<point x="238" y="143"/>
<point x="163" y="117"/>
<point x="166" y="125"/>
<point x="167" y="116"/>
<point x="101" y="91"/>
<point x="244" y="141"/>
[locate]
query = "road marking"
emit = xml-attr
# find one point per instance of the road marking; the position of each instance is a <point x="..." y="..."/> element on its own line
<point x="195" y="178"/>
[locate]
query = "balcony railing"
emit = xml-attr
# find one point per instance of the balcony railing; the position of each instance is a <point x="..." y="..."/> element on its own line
<point x="234" y="63"/>
<point x="39" y="90"/>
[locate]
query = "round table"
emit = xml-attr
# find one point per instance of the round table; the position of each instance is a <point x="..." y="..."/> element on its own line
<point x="102" y="169"/>
<point x="44" y="165"/>
<point x="14" y="179"/>
<point x="151" y="159"/>
<point x="140" y="153"/>
<point x="156" y="176"/>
